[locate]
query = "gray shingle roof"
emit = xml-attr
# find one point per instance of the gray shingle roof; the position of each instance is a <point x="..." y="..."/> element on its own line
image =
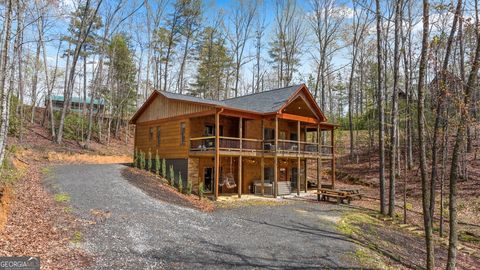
<point x="264" y="102"/>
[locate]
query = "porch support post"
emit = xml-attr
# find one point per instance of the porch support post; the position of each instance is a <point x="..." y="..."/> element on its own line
<point x="298" y="157"/>
<point x="262" y="161"/>
<point x="217" y="152"/>
<point x="240" y="133"/>
<point x="305" y="176"/>
<point x="333" y="157"/>
<point x="298" y="175"/>
<point x="262" y="174"/>
<point x="275" y="160"/>
<point x="239" y="176"/>
<point x="319" y="163"/>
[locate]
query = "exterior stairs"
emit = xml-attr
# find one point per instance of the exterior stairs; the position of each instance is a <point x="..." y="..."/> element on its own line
<point x="284" y="188"/>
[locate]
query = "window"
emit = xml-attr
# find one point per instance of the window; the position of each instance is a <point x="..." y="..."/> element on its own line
<point x="182" y="133"/>
<point x="209" y="130"/>
<point x="269" y="134"/>
<point x="158" y="136"/>
<point x="150" y="133"/>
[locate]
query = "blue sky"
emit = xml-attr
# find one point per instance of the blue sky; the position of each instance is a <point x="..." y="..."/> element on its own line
<point x="211" y="11"/>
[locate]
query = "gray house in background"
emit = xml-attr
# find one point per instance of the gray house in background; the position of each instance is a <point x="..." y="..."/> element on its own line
<point x="76" y="104"/>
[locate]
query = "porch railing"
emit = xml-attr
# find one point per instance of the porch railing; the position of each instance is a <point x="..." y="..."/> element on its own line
<point x="247" y="144"/>
<point x="225" y="143"/>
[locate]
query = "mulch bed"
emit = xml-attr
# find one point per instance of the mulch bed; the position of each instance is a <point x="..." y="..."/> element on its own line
<point x="38" y="226"/>
<point x="158" y="188"/>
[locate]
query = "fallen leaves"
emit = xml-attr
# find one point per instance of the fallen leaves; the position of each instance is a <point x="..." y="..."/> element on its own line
<point x="37" y="226"/>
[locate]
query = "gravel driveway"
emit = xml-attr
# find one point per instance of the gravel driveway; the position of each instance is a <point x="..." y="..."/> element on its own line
<point x="143" y="233"/>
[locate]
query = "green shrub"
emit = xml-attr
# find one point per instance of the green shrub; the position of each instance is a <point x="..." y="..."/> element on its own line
<point x="180" y="182"/>
<point x="189" y="187"/>
<point x="149" y="161"/>
<point x="157" y="163"/>
<point x="142" y="160"/>
<point x="13" y="118"/>
<point x="136" y="158"/>
<point x="201" y="190"/>
<point x="164" y="168"/>
<point x="172" y="176"/>
<point x="76" y="126"/>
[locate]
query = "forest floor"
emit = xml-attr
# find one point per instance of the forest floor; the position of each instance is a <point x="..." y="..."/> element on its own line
<point x="48" y="228"/>
<point x="33" y="221"/>
<point x="362" y="173"/>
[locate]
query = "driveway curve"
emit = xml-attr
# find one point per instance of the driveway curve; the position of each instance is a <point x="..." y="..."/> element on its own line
<point x="135" y="231"/>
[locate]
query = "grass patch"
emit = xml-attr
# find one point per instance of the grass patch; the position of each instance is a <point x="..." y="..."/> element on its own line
<point x="370" y="259"/>
<point x="11" y="171"/>
<point x="468" y="237"/>
<point x="61" y="197"/>
<point x="77" y="237"/>
<point x="246" y="203"/>
<point x="46" y="170"/>
<point x="351" y="221"/>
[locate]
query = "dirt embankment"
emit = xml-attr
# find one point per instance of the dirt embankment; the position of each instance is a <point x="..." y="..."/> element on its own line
<point x="5" y="194"/>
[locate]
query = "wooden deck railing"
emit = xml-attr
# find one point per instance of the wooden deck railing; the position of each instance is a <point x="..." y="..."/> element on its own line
<point x="247" y="144"/>
<point x="226" y="143"/>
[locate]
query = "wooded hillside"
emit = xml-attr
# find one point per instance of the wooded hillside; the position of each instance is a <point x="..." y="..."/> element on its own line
<point x="403" y="72"/>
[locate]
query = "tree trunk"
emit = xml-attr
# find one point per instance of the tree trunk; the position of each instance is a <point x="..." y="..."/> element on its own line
<point x="381" y="116"/>
<point x="4" y="98"/>
<point x="79" y="44"/>
<point x="182" y="66"/>
<point x="421" y="138"/>
<point x="394" y="131"/>
<point x="459" y="143"/>
<point x="21" y="85"/>
<point x="35" y="82"/>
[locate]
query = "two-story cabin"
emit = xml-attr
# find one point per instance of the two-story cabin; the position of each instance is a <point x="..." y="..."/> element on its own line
<point x="258" y="143"/>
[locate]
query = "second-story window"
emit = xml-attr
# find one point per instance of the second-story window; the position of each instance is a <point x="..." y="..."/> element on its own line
<point x="158" y="136"/>
<point x="150" y="134"/>
<point x="182" y="133"/>
<point x="209" y="130"/>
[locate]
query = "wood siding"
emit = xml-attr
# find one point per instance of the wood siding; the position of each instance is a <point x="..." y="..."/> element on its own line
<point x="170" y="140"/>
<point x="162" y="108"/>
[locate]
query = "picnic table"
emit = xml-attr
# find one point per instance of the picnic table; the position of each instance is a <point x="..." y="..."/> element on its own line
<point x="341" y="195"/>
<point x="353" y="192"/>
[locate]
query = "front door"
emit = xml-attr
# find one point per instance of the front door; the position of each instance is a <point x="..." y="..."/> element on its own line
<point x="294" y="176"/>
<point x="208" y="180"/>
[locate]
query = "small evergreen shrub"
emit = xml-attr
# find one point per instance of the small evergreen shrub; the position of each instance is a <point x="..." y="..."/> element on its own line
<point x="157" y="163"/>
<point x="164" y="168"/>
<point x="172" y="176"/>
<point x="142" y="160"/>
<point x="136" y="159"/>
<point x="189" y="187"/>
<point x="180" y="183"/>
<point x="149" y="161"/>
<point x="201" y="190"/>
